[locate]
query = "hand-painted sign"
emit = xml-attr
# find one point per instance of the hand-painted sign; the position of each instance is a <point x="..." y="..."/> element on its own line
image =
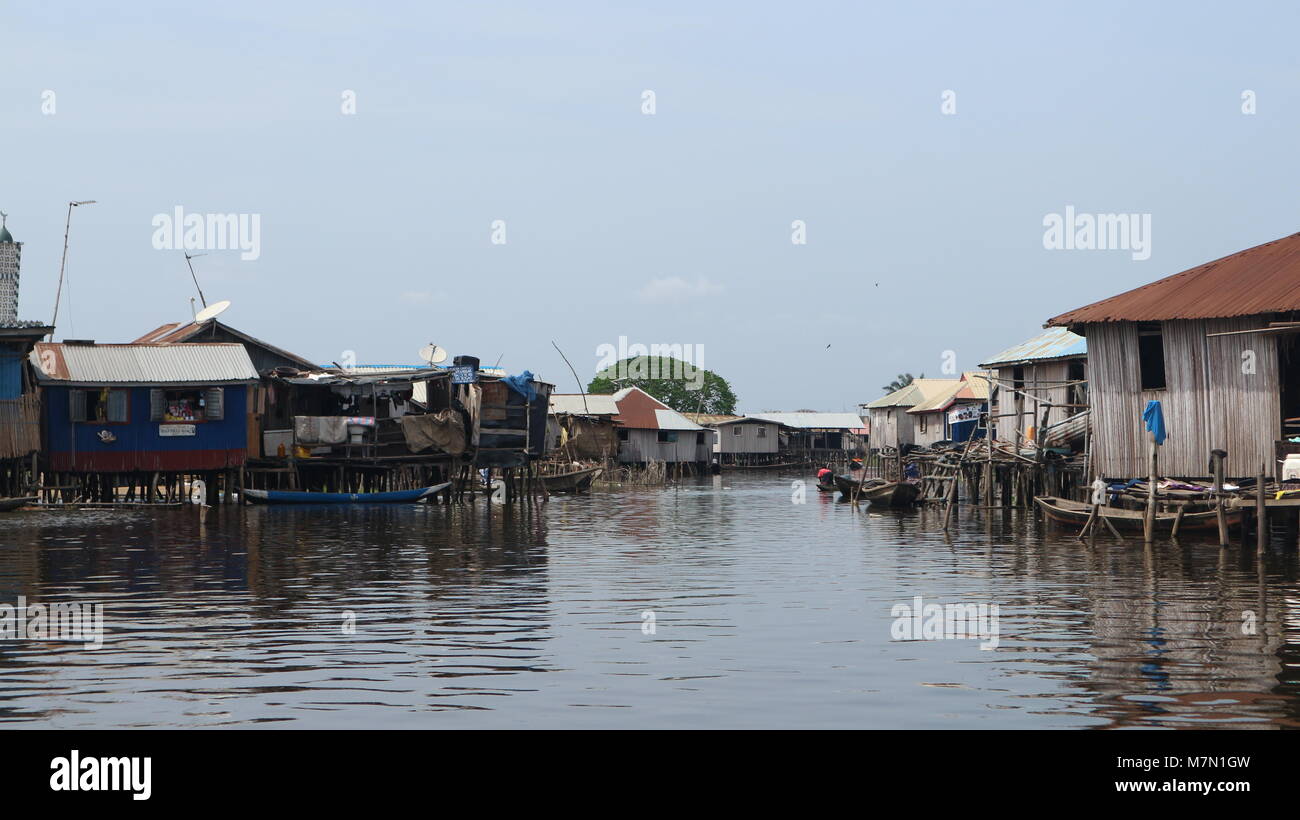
<point x="176" y="429"/>
<point x="464" y="374"/>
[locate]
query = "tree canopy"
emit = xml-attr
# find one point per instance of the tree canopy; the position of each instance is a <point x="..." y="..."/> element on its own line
<point x="680" y="385"/>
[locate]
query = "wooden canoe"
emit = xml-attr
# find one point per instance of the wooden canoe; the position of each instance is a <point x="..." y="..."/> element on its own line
<point x="576" y="481"/>
<point x="11" y="504"/>
<point x="394" y="497"/>
<point x="1064" y="511"/>
<point x="879" y="492"/>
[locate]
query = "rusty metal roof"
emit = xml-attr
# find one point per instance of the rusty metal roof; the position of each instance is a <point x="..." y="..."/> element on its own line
<point x="1054" y="343"/>
<point x="1262" y="279"/>
<point x="185" y="331"/>
<point x="640" y="410"/>
<point x="94" y="364"/>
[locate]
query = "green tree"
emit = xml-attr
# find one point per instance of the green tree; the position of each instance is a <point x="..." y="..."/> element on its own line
<point x="901" y="381"/>
<point x="682" y="386"/>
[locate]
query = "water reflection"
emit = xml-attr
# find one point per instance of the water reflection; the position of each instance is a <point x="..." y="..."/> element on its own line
<point x="765" y="612"/>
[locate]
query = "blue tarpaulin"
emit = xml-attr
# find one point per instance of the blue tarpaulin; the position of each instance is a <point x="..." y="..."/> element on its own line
<point x="522" y="384"/>
<point x="1155" y="420"/>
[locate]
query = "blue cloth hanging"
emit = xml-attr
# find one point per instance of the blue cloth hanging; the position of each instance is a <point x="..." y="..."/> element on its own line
<point x="1154" y="418"/>
<point x="522" y="384"/>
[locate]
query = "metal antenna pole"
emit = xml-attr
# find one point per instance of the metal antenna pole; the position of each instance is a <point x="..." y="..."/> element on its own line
<point x="67" y="226"/>
<point x="195" y="278"/>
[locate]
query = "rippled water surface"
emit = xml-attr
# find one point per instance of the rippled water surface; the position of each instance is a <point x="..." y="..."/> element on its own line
<point x="766" y="613"/>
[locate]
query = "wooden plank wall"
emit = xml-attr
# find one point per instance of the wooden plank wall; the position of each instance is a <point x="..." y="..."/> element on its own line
<point x="1207" y="401"/>
<point x="748" y="441"/>
<point x="20" y="426"/>
<point x="1038" y="384"/>
<point x="884" y="426"/>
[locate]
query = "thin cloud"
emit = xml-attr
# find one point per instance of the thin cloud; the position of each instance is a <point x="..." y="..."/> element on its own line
<point x="675" y="289"/>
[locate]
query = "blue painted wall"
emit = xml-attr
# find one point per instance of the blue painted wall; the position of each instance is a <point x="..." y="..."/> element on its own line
<point x="11" y="373"/>
<point x="139" y="436"/>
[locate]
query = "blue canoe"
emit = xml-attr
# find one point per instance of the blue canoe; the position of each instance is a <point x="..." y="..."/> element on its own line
<point x="396" y="497"/>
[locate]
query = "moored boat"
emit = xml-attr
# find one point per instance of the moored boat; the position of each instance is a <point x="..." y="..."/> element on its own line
<point x="1064" y="511"/>
<point x="879" y="492"/>
<point x="11" y="504"/>
<point x="393" y="497"/>
<point x="575" y="481"/>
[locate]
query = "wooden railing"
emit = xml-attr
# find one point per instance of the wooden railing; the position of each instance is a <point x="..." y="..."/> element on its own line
<point x="20" y="426"/>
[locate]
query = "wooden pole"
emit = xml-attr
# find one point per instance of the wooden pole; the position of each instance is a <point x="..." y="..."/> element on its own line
<point x="1216" y="457"/>
<point x="1149" y="522"/>
<point x="1261" y="512"/>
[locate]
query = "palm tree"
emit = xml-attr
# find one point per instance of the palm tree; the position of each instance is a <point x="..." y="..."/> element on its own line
<point x="903" y="380"/>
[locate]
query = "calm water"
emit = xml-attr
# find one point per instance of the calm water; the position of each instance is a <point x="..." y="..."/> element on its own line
<point x="766" y="613"/>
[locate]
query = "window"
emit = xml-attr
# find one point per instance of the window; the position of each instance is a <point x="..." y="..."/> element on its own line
<point x="762" y="431"/>
<point x="669" y="436"/>
<point x="1151" y="356"/>
<point x="736" y="430"/>
<point x="923" y="417"/>
<point x="187" y="405"/>
<point x="1078" y="392"/>
<point x="98" y="406"/>
<point x="622" y="434"/>
<point x="1018" y="378"/>
<point x="699" y="438"/>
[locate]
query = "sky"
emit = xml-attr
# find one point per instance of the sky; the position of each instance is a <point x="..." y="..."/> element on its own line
<point x="921" y="146"/>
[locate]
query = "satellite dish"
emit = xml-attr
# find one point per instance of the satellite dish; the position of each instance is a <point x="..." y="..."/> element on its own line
<point x="433" y="354"/>
<point x="212" y="311"/>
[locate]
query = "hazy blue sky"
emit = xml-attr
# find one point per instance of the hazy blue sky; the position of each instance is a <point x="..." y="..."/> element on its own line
<point x="925" y="230"/>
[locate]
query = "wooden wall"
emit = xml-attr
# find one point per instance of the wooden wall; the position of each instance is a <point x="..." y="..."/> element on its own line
<point x="934" y="427"/>
<point x="20" y="426"/>
<point x="1208" y="402"/>
<point x="1038" y="385"/>
<point x="749" y="440"/>
<point x="643" y="446"/>
<point x="892" y="427"/>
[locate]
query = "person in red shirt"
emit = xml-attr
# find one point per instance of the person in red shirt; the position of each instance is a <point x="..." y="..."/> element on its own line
<point x="824" y="475"/>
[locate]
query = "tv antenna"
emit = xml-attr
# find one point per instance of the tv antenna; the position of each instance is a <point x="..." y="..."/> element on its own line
<point x="196" y="279"/>
<point x="66" y="228"/>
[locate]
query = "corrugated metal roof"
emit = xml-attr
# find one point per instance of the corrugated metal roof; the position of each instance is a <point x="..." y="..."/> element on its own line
<point x="813" y="421"/>
<point x="1054" y="343"/>
<point x="1262" y="279"/>
<point x="143" y="364"/>
<point x="918" y="391"/>
<point x="672" y="420"/>
<point x="640" y="410"/>
<point x="597" y="404"/>
<point x="184" y="331"/>
<point x="710" y="419"/>
<point x="970" y="387"/>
